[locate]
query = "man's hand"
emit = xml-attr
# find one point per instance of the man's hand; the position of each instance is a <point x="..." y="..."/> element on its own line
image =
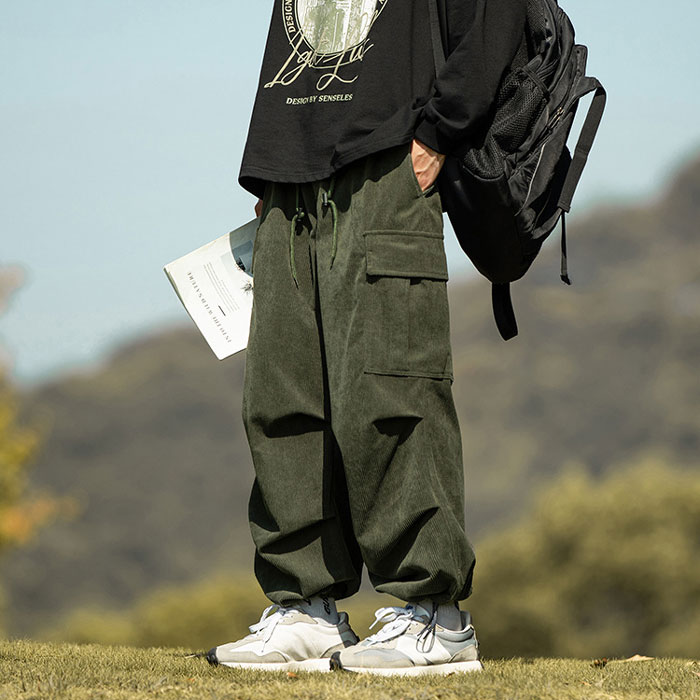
<point x="427" y="163"/>
<point x="258" y="208"/>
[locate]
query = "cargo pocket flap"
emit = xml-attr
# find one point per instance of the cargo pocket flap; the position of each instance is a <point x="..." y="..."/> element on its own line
<point x="405" y="254"/>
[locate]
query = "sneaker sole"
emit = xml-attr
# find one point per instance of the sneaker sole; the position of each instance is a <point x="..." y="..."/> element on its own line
<point x="308" y="665"/>
<point x="436" y="670"/>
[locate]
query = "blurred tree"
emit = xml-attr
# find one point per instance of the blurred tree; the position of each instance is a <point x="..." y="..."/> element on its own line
<point x="20" y="515"/>
<point x="601" y="568"/>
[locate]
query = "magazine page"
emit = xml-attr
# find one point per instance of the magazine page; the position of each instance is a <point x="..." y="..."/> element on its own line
<point x="215" y="285"/>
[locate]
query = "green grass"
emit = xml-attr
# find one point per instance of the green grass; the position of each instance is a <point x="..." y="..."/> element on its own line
<point x="30" y="670"/>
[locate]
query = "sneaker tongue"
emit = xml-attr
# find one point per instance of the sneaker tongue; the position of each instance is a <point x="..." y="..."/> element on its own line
<point x="321" y="607"/>
<point x="423" y="609"/>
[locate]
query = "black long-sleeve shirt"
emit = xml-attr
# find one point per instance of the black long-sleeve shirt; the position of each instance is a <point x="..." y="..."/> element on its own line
<point x="342" y="79"/>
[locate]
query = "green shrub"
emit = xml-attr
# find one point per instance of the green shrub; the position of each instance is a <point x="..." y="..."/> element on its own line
<point x="603" y="568"/>
<point x="608" y="568"/>
<point x="197" y="616"/>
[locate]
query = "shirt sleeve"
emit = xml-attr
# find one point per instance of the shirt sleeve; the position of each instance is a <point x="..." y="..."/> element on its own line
<point x="484" y="37"/>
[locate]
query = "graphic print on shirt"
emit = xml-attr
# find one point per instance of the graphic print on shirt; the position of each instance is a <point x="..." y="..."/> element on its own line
<point x="327" y="36"/>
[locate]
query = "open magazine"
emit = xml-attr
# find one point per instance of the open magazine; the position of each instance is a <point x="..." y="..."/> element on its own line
<point x="215" y="285"/>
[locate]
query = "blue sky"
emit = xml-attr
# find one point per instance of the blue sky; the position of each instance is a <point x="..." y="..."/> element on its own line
<point x="122" y="124"/>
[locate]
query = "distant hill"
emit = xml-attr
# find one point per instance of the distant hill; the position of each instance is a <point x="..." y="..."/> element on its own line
<point x="153" y="445"/>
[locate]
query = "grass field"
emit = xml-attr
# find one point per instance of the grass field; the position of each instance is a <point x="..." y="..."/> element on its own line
<point x="31" y="670"/>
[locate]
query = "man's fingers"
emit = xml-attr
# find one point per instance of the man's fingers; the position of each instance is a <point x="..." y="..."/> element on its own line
<point x="427" y="163"/>
<point x="258" y="208"/>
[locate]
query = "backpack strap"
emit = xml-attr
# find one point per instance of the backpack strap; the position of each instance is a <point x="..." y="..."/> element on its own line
<point x="578" y="162"/>
<point x="585" y="139"/>
<point x="564" y="274"/>
<point x="503" y="310"/>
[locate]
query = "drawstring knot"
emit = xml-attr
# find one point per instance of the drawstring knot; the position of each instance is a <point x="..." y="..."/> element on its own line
<point x="327" y="203"/>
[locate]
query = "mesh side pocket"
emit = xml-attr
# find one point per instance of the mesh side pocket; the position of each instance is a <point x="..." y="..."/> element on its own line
<point x="519" y="115"/>
<point x="519" y="104"/>
<point x="486" y="162"/>
<point x="537" y="20"/>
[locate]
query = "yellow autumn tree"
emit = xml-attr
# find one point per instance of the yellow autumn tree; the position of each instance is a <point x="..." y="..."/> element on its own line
<point x="21" y="514"/>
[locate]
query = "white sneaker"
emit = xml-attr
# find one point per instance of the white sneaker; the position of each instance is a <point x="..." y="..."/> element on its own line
<point x="286" y="639"/>
<point x="411" y="643"/>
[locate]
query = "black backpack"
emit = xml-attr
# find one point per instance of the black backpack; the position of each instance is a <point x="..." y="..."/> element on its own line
<point x="506" y="196"/>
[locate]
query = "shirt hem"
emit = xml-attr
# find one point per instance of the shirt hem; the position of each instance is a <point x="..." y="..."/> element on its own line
<point x="250" y="175"/>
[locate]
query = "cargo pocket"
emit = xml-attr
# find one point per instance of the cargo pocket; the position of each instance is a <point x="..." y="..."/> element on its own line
<point x="405" y="305"/>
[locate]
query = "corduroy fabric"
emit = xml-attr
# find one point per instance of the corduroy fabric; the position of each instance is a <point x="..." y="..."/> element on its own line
<point x="347" y="397"/>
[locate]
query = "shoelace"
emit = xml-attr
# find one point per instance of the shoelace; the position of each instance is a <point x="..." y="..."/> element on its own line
<point x="268" y="621"/>
<point x="397" y="620"/>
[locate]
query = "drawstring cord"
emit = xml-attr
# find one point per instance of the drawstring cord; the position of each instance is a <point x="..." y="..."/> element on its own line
<point x="298" y="211"/>
<point x="327" y="201"/>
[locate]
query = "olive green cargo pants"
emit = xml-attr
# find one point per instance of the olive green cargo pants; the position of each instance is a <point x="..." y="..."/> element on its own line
<point x="347" y="398"/>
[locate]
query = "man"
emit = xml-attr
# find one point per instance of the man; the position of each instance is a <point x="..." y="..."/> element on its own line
<point x="347" y="400"/>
